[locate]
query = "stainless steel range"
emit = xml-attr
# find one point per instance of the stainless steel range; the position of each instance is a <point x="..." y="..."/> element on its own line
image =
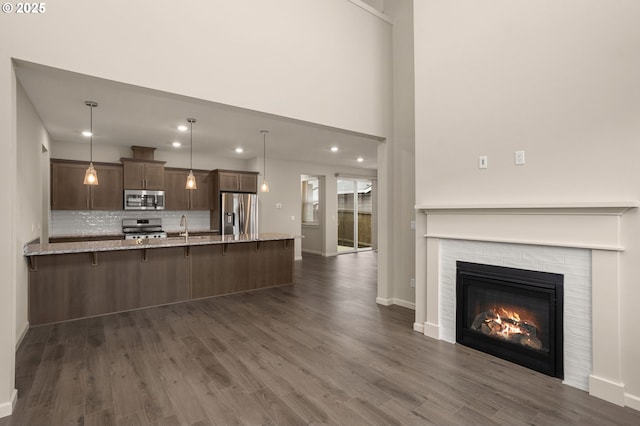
<point x="142" y="228"/>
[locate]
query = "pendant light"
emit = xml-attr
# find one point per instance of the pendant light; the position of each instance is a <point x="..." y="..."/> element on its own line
<point x="265" y="185"/>
<point x="191" y="179"/>
<point x="91" y="176"/>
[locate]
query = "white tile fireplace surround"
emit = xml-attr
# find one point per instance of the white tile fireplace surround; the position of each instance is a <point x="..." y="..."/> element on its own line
<point x="580" y="241"/>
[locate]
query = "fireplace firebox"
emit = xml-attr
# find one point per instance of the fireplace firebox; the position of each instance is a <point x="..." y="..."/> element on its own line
<point x="514" y="314"/>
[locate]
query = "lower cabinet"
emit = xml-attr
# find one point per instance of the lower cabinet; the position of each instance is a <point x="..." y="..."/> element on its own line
<point x="79" y="285"/>
<point x="234" y="267"/>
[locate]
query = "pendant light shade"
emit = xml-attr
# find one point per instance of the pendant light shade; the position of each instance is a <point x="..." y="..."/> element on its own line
<point x="265" y="185"/>
<point x="91" y="176"/>
<point x="191" y="179"/>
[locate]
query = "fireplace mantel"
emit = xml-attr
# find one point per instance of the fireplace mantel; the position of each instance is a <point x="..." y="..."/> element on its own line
<point x="596" y="226"/>
<point x="593" y="225"/>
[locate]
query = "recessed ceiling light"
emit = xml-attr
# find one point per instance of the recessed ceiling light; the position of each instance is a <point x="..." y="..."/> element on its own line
<point x="182" y="128"/>
<point x="239" y="150"/>
<point x="86" y="133"/>
<point x="176" y="144"/>
<point x="334" y="149"/>
<point x="360" y="159"/>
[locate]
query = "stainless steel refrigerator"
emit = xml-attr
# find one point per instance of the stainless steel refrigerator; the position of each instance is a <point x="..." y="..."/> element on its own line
<point x="239" y="213"/>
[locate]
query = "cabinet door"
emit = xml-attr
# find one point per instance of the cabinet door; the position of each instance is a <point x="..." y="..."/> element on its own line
<point x="228" y="181"/>
<point x="248" y="182"/>
<point x="108" y="195"/>
<point x="154" y="176"/>
<point x="68" y="191"/>
<point x="176" y="196"/>
<point x="133" y="175"/>
<point x="200" y="197"/>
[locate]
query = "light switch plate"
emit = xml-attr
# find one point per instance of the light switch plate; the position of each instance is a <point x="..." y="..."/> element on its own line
<point x="483" y="162"/>
<point x="519" y="158"/>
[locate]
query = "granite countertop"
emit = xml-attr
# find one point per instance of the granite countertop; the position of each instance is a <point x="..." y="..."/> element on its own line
<point x="111" y="245"/>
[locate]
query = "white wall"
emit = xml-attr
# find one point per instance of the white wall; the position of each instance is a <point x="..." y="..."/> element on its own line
<point x="284" y="189"/>
<point x="396" y="267"/>
<point x="556" y="79"/>
<point x="277" y="57"/>
<point x="32" y="137"/>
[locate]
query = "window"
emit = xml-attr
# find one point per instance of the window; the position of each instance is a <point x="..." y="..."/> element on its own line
<point x="310" y="200"/>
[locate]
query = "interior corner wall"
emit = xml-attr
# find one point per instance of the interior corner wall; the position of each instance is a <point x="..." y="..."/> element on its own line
<point x="32" y="136"/>
<point x="558" y="80"/>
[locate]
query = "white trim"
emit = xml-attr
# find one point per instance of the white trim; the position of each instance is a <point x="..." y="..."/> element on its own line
<point x="614" y="206"/>
<point x="372" y="11"/>
<point x="6" y="408"/>
<point x="404" y="303"/>
<point x="395" y="301"/>
<point x="384" y="302"/>
<point x="22" y="334"/>
<point x="418" y="327"/>
<point x="607" y="390"/>
<point x="432" y="330"/>
<point x="517" y="241"/>
<point x="316" y="252"/>
<point x="332" y="254"/>
<point x="297" y="258"/>
<point x="632" y="401"/>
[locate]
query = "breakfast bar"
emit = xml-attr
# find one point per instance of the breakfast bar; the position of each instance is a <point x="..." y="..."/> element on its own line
<point x="72" y="280"/>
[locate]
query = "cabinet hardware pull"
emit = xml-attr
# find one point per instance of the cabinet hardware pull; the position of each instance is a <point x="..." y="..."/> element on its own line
<point x="94" y="258"/>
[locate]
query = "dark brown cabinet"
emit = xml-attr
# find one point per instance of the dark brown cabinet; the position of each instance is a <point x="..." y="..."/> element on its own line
<point x="177" y="197"/>
<point x="139" y="174"/>
<point x="235" y="181"/>
<point x="68" y="191"/>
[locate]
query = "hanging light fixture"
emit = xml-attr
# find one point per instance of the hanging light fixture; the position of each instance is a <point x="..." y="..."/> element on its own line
<point x="91" y="176"/>
<point x="191" y="179"/>
<point x="265" y="185"/>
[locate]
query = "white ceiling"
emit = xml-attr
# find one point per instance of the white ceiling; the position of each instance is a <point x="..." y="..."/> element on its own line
<point x="131" y="115"/>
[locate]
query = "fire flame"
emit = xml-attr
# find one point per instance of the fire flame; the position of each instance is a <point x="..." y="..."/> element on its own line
<point x="510" y="325"/>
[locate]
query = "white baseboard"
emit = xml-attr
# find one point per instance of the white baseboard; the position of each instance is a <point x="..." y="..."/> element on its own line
<point x="418" y="327"/>
<point x="319" y="253"/>
<point x="432" y="330"/>
<point x="612" y="392"/>
<point x="6" y="408"/>
<point x="632" y="401"/>
<point x="332" y="254"/>
<point x="297" y="258"/>
<point x="394" y="301"/>
<point x="384" y="302"/>
<point x="22" y="334"/>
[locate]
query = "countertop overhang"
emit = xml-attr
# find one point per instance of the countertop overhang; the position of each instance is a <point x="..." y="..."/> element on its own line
<point x="113" y="245"/>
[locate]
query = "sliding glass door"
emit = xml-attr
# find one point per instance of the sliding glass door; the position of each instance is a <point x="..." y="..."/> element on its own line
<point x="354" y="215"/>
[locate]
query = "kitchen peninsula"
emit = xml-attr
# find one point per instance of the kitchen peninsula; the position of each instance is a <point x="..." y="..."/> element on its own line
<point x="73" y="280"/>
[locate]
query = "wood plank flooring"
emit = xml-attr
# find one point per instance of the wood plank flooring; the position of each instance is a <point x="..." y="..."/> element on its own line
<point x="318" y="352"/>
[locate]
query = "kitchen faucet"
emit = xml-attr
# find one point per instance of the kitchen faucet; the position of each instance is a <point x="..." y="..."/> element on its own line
<point x="184" y="222"/>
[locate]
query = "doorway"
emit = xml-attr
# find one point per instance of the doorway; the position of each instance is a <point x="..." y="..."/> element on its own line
<point x="355" y="210"/>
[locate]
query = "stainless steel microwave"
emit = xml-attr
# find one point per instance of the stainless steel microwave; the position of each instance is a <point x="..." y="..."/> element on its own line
<point x="139" y="199"/>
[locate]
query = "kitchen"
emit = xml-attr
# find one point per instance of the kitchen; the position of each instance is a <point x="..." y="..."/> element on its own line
<point x="156" y="202"/>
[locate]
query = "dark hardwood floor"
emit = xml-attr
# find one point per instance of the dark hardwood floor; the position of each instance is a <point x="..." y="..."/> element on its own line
<point x="320" y="351"/>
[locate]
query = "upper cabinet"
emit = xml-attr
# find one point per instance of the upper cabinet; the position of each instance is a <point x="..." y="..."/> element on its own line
<point x="68" y="191"/>
<point x="143" y="174"/>
<point x="235" y="181"/>
<point x="177" y="197"/>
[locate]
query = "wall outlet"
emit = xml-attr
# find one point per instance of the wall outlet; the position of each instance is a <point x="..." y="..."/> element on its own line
<point x="412" y="224"/>
<point x="519" y="158"/>
<point x="412" y="283"/>
<point x="278" y="205"/>
<point x="293" y="218"/>
<point x="483" y="162"/>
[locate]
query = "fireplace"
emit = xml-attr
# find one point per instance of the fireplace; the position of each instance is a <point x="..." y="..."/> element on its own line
<point x="514" y="314"/>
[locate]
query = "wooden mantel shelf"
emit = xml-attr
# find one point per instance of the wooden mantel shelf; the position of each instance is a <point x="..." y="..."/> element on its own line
<point x="591" y="207"/>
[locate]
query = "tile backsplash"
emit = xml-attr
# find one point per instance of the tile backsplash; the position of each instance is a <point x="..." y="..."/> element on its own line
<point x="103" y="222"/>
